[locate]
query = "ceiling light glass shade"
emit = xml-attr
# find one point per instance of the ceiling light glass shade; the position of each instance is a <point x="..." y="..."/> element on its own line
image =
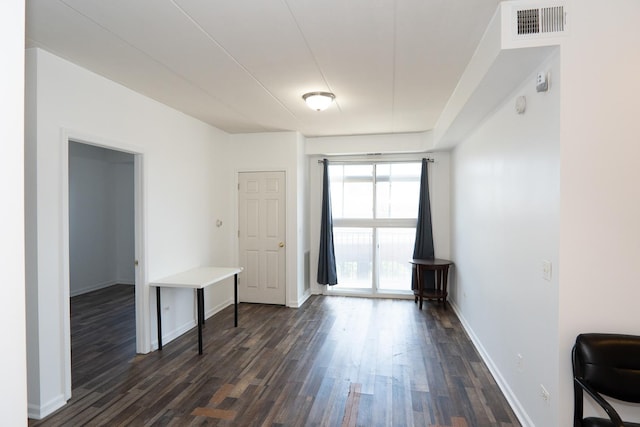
<point x="318" y="100"/>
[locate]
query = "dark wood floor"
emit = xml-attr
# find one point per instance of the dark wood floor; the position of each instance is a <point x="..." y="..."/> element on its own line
<point x="336" y="361"/>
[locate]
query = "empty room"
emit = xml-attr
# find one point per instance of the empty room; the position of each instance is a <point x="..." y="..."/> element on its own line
<point x="295" y="213"/>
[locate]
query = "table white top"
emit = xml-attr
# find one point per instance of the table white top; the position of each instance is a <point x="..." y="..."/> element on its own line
<point x="199" y="277"/>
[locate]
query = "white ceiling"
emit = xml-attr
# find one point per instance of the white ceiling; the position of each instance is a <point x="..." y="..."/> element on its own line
<point x="243" y="65"/>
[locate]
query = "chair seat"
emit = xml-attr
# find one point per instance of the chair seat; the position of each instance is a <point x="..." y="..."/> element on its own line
<point x="602" y="422"/>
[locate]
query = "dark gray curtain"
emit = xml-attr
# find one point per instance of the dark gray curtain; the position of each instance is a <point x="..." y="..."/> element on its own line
<point x="423" y="248"/>
<point x="327" y="258"/>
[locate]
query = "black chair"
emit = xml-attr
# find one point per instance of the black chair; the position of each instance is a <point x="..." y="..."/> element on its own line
<point x="607" y="364"/>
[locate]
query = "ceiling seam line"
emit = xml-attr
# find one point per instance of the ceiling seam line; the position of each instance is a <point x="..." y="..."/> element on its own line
<point x="246" y="70"/>
<point x="163" y="65"/>
<point x="315" y="59"/>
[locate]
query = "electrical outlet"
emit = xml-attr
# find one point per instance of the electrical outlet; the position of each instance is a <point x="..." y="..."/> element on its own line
<point x="546" y="270"/>
<point x="544" y="394"/>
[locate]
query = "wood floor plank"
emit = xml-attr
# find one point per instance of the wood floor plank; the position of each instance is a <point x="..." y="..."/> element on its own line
<point x="335" y="361"/>
<point x="222" y="414"/>
<point x="352" y="406"/>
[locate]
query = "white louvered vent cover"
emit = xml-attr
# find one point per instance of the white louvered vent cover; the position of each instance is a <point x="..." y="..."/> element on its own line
<point x="540" y="20"/>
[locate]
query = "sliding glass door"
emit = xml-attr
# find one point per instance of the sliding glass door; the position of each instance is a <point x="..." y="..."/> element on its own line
<point x="374" y="206"/>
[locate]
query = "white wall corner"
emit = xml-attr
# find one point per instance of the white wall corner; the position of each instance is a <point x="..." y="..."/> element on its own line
<point x="301" y="299"/>
<point x="497" y="67"/>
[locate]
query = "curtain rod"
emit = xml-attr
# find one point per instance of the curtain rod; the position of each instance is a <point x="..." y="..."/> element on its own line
<point x="364" y="161"/>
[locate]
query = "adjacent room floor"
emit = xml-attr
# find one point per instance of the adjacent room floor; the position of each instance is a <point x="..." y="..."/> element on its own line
<point x="337" y="361"/>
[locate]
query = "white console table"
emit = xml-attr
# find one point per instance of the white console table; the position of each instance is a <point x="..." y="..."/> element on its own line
<point x="198" y="279"/>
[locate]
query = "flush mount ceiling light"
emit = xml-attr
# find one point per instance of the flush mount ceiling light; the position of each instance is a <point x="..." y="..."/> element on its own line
<point x="318" y="100"/>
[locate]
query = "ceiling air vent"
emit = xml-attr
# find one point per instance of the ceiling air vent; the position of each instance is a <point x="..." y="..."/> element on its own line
<point x="540" y="20"/>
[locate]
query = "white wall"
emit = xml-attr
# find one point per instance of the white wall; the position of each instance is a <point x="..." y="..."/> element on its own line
<point x="101" y="218"/>
<point x="302" y="186"/>
<point x="600" y="202"/>
<point x="123" y="213"/>
<point x="13" y="393"/>
<point x="178" y="191"/>
<point x="405" y="143"/>
<point x="505" y="222"/>
<point x="275" y="151"/>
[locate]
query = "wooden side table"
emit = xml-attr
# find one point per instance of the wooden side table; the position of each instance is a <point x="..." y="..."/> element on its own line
<point x="441" y="269"/>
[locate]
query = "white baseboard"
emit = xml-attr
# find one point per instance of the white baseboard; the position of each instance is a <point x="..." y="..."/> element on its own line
<point x="218" y="308"/>
<point x="124" y="282"/>
<point x="513" y="401"/>
<point x="167" y="337"/>
<point x="94" y="287"/>
<point x="97" y="286"/>
<point x="301" y="300"/>
<point x="38" y="412"/>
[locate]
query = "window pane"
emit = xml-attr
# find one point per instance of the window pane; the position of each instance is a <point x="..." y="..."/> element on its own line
<point x="358" y="172"/>
<point x="406" y="169"/>
<point x="395" y="251"/>
<point x="383" y="170"/>
<point x="354" y="256"/>
<point x="397" y="190"/>
<point x="358" y="200"/>
<point x="397" y="199"/>
<point x="351" y="191"/>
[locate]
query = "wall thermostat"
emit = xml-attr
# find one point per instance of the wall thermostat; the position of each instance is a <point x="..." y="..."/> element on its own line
<point x="542" y="82"/>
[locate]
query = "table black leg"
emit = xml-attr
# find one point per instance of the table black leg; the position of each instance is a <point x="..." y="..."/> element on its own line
<point x="414" y="282"/>
<point x="159" y="313"/>
<point x="420" y="285"/>
<point x="200" y="298"/>
<point x="201" y="302"/>
<point x="445" y="276"/>
<point x="235" y="298"/>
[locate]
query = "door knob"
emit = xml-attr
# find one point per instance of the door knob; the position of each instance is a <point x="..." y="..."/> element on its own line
<point x="281" y="244"/>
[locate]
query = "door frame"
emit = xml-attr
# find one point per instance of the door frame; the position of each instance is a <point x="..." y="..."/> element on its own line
<point x="143" y="323"/>
<point x="287" y="248"/>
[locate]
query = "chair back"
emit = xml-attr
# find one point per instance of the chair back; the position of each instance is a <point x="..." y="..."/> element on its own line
<point x="610" y="364"/>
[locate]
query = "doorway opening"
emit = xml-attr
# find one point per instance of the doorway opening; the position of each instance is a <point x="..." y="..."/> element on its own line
<point x="101" y="259"/>
<point x="104" y="319"/>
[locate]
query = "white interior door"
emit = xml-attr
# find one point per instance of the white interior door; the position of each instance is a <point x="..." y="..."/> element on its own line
<point x="262" y="237"/>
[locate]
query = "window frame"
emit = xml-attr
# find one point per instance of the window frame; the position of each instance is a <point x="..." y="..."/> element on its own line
<point x="374" y="223"/>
